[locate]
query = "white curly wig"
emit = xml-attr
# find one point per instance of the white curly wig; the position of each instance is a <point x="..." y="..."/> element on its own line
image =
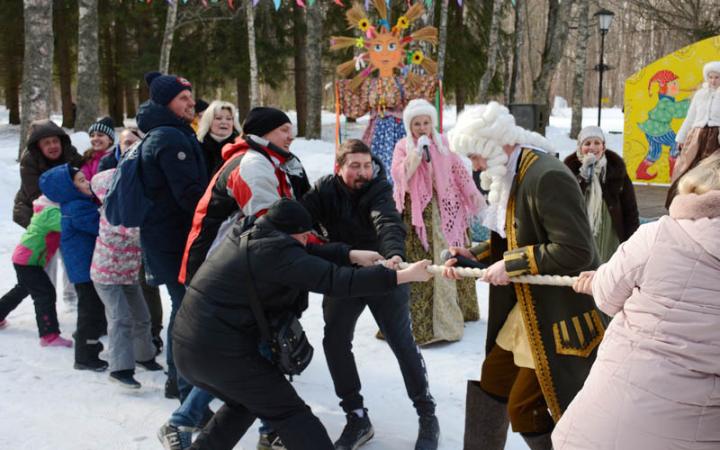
<point x="484" y="130"/>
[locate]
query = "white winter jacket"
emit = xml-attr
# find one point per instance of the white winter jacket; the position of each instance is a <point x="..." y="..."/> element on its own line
<point x="704" y="112"/>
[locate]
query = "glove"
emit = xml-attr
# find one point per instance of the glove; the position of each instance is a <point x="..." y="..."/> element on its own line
<point x="588" y="167"/>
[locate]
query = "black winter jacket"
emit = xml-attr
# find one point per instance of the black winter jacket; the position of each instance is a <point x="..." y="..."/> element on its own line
<point x="33" y="164"/>
<point x="212" y="150"/>
<point x="174" y="178"/>
<point x="365" y="219"/>
<point x="215" y="311"/>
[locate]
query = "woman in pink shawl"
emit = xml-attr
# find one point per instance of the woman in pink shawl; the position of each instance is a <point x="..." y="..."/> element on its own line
<point x="436" y="195"/>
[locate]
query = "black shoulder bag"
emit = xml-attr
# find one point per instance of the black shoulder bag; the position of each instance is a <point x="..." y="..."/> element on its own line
<point x="283" y="341"/>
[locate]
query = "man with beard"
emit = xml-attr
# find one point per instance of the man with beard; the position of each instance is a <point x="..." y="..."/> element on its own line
<point x="541" y="340"/>
<point x="356" y="207"/>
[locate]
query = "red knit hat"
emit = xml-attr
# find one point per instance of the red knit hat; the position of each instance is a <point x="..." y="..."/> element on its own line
<point x="662" y="78"/>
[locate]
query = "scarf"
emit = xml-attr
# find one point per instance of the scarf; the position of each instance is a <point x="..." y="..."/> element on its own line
<point x="593" y="172"/>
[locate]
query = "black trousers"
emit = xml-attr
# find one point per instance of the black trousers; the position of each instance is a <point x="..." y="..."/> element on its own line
<point x="251" y="387"/>
<point x="33" y="280"/>
<point x="91" y="323"/>
<point x="392" y="314"/>
<point x="152" y="298"/>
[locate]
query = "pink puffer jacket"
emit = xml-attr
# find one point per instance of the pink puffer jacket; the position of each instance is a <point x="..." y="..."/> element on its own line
<point x="656" y="381"/>
<point x="117" y="255"/>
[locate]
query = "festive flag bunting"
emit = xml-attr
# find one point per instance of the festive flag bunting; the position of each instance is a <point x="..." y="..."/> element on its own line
<point x="277" y="4"/>
<point x="300" y="3"/>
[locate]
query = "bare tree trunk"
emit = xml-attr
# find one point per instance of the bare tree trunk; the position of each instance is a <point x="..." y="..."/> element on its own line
<point x="580" y="65"/>
<point x="493" y="44"/>
<point x="442" y="45"/>
<point x="12" y="93"/>
<point x="314" y="68"/>
<point x="300" y="69"/>
<point x="555" y="38"/>
<point x="254" y="84"/>
<point x="88" y="65"/>
<point x="167" y="42"/>
<point x="37" y="69"/>
<point x="63" y="59"/>
<point x="517" y="50"/>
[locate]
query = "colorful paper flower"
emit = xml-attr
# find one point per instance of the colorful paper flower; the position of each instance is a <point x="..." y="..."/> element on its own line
<point x="417" y="57"/>
<point x="360" y="42"/>
<point x="402" y="23"/>
<point x="363" y="24"/>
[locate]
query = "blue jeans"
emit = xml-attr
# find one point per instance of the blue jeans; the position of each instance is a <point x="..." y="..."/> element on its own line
<point x="177" y="292"/>
<point x="191" y="410"/>
<point x="656" y="145"/>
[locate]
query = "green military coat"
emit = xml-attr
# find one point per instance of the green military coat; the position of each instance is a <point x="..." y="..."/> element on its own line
<point x="548" y="233"/>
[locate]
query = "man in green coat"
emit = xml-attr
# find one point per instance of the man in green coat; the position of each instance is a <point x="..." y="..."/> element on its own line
<point x="541" y="340"/>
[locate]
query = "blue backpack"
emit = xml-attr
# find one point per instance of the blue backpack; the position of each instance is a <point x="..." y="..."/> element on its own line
<point x="125" y="202"/>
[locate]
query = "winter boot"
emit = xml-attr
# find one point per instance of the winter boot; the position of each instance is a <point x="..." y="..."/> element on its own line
<point x="270" y="441"/>
<point x="538" y="441"/>
<point x="486" y="420"/>
<point x="357" y="432"/>
<point x="150" y="365"/>
<point x="174" y="438"/>
<point x="55" y="340"/>
<point x="125" y="379"/>
<point x="671" y="163"/>
<point x="428" y="433"/>
<point x="86" y="356"/>
<point x="641" y="173"/>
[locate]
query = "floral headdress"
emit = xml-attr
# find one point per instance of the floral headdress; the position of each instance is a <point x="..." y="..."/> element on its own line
<point x="385" y="45"/>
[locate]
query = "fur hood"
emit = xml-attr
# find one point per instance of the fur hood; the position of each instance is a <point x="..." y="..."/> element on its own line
<point x="699" y="215"/>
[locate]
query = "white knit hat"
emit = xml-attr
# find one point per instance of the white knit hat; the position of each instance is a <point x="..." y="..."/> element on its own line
<point x="712" y="66"/>
<point x="590" y="132"/>
<point x="421" y="107"/>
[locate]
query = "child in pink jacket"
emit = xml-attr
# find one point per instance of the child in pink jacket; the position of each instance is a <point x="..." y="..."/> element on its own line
<point x="102" y="138"/>
<point x="115" y="273"/>
<point x="656" y="381"/>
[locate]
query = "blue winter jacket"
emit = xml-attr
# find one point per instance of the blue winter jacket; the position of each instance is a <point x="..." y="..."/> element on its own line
<point x="79" y="223"/>
<point x="175" y="178"/>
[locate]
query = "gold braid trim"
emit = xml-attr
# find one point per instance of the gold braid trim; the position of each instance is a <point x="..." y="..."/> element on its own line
<point x="527" y="307"/>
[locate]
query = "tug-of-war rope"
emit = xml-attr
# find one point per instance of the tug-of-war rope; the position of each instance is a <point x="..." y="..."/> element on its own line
<point x="547" y="280"/>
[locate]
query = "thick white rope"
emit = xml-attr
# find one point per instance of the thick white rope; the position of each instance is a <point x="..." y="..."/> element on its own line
<point x="547" y="280"/>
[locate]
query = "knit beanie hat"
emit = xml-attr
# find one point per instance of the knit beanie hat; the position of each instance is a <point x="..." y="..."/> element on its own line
<point x="590" y="132"/>
<point x="164" y="88"/>
<point x="200" y="105"/>
<point x="712" y="66"/>
<point x="289" y="216"/>
<point x="104" y="126"/>
<point x="261" y="120"/>
<point x="421" y="107"/>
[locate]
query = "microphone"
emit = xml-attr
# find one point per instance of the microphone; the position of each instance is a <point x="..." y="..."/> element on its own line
<point x="588" y="166"/>
<point x="424" y="144"/>
<point x="462" y="261"/>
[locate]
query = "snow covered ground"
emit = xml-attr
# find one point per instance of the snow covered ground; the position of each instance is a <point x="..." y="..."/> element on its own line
<point x="48" y="405"/>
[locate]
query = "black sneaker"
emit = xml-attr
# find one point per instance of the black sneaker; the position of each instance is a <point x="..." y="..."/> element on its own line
<point x="270" y="441"/>
<point x="357" y="432"/>
<point x="428" y="433"/>
<point x="125" y="379"/>
<point x="150" y="365"/>
<point x="174" y="438"/>
<point x="96" y="365"/>
<point x="171" y="389"/>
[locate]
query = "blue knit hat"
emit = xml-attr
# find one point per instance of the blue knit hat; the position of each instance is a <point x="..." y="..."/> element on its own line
<point x="164" y="88"/>
<point x="104" y="126"/>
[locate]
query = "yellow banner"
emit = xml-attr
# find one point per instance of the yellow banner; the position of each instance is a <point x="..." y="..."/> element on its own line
<point x="657" y="98"/>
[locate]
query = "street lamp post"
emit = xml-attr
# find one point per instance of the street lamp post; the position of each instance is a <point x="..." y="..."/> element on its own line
<point x="605" y="18"/>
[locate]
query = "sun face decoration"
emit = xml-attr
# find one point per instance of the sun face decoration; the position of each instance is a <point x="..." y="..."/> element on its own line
<point x="385" y="47"/>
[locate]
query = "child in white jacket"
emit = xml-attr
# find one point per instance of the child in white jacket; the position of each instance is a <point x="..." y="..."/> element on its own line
<point x="115" y="273"/>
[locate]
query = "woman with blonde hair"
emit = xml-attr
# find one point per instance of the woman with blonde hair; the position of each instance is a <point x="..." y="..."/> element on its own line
<point x="655" y="381"/>
<point x="218" y="126"/>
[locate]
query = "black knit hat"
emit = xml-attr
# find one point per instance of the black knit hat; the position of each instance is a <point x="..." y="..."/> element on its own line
<point x="200" y="105"/>
<point x="72" y="170"/>
<point x="289" y="216"/>
<point x="104" y="126"/>
<point x="164" y="88"/>
<point x="261" y="120"/>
